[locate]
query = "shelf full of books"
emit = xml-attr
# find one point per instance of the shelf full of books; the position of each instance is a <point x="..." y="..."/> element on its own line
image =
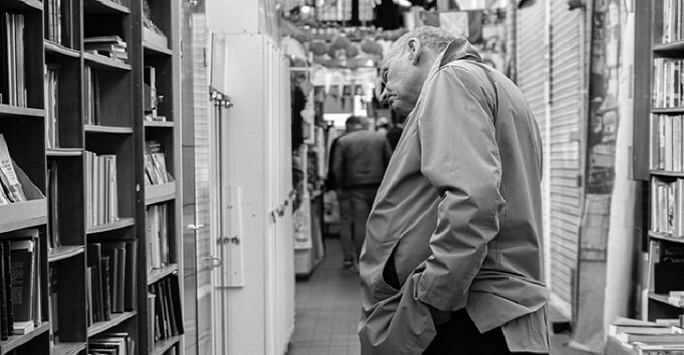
<point x="82" y="177"/>
<point x="663" y="108"/>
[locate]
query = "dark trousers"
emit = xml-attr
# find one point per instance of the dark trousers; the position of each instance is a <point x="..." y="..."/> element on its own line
<point x="460" y="336"/>
<point x="355" y="206"/>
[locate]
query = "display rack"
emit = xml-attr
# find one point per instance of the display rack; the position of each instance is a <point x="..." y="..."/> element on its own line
<point x="659" y="145"/>
<point x="80" y="135"/>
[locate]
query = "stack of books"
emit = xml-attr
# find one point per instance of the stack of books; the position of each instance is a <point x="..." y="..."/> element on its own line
<point x="667" y="207"/>
<point x="110" y="46"/>
<point x="53" y="21"/>
<point x="660" y="337"/>
<point x="12" y="68"/>
<point x="112" y="344"/>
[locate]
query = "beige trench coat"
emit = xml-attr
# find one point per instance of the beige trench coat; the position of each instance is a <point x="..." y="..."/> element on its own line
<point x="459" y="215"/>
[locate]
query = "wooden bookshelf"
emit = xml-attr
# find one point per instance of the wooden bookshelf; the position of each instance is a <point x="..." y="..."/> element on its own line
<point x="160" y="193"/>
<point x="159" y="124"/>
<point x="65" y="252"/>
<point x="104" y="7"/>
<point x="105" y="63"/>
<point x="21" y="5"/>
<point x="22" y="215"/>
<point x="120" y="224"/>
<point x="108" y="129"/>
<point x="68" y="348"/>
<point x="651" y="122"/>
<point x="93" y="88"/>
<point x="13" y="111"/>
<point x="64" y="152"/>
<point x="55" y="49"/>
<point x="116" y="319"/>
<point x="16" y="341"/>
<point x="166" y="344"/>
<point x="158" y="274"/>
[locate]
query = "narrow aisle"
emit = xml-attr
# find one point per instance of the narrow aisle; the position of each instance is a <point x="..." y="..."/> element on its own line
<point x="327" y="308"/>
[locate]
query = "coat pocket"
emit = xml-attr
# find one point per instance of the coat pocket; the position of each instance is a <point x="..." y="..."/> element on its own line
<point x="397" y="325"/>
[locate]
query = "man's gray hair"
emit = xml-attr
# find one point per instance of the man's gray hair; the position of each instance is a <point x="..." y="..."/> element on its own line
<point x="434" y="38"/>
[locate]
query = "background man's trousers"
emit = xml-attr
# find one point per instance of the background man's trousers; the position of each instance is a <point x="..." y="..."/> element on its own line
<point x="355" y="206"/>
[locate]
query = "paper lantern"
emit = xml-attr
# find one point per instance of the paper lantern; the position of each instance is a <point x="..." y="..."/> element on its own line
<point x="318" y="47"/>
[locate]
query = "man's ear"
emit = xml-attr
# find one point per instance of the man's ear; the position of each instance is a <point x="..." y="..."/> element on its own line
<point x="415" y="50"/>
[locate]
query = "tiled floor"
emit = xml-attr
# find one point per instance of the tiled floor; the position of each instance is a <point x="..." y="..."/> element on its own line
<point x="327" y="311"/>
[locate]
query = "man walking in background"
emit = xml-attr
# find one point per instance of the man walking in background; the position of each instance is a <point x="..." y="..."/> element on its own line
<point x="452" y="262"/>
<point x="359" y="162"/>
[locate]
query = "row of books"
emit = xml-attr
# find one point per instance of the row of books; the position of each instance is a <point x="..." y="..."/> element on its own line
<point x="111" y="273"/>
<point x="110" y="46"/>
<point x="667" y="206"/>
<point x="155" y="164"/>
<point x="111" y="344"/>
<point x="12" y="60"/>
<point x="92" y="95"/>
<point x="20" y="306"/>
<point x="157" y="236"/>
<point x="666" y="152"/>
<point x="165" y="319"/>
<point x="667" y="82"/>
<point x="11" y="189"/>
<point x="53" y="21"/>
<point x="51" y="102"/>
<point x="672" y="21"/>
<point x="101" y="189"/>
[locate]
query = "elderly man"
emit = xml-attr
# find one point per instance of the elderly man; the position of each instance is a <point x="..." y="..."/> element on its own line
<point x="452" y="262"/>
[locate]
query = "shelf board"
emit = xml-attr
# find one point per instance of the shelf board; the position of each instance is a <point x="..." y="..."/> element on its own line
<point x="662" y="298"/>
<point x="104" y="63"/>
<point x="160" y="347"/>
<point x="60" y="50"/>
<point x="107" y="129"/>
<point x="671" y="110"/>
<point x="21" y="215"/>
<point x="165" y="124"/>
<point x="16" y="341"/>
<point x="104" y="7"/>
<point x="160" y="193"/>
<point x="155" y="49"/>
<point x="64" y="152"/>
<point x="669" y="47"/>
<point x="666" y="237"/>
<point x="21" y="5"/>
<point x="158" y="274"/>
<point x="7" y="110"/>
<point x="667" y="173"/>
<point x="120" y="224"/>
<point x="116" y="319"/>
<point x="64" y="252"/>
<point x="68" y="348"/>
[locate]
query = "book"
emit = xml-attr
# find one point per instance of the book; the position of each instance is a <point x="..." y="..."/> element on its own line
<point x="94" y="252"/>
<point x="649" y="338"/>
<point x="8" y="176"/>
<point x="53" y="304"/>
<point x="22" y="274"/>
<point x="106" y="292"/>
<point x="4" y="311"/>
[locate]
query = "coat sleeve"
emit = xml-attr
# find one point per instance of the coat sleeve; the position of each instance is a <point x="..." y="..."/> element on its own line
<point x="338" y="164"/>
<point x="460" y="158"/>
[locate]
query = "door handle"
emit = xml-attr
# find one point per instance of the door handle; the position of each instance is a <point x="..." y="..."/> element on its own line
<point x="211" y="263"/>
<point x="194" y="227"/>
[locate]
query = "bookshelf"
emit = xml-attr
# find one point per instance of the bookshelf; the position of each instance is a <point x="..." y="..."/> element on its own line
<point x="80" y="132"/>
<point x="659" y="145"/>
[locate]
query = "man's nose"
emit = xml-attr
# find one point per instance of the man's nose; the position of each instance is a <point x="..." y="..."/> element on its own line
<point x="384" y="96"/>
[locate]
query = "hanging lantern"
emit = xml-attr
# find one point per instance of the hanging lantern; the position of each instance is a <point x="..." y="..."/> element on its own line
<point x="352" y="50"/>
<point x="318" y="47"/>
